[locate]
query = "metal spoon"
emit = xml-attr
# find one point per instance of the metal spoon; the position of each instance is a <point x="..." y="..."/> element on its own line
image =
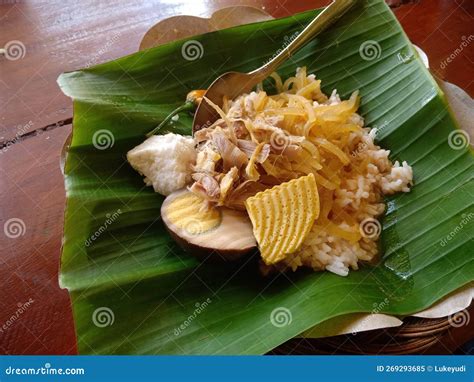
<point x="232" y="84"/>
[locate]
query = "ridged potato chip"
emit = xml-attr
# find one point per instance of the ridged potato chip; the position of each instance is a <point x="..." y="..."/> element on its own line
<point x="282" y="216"/>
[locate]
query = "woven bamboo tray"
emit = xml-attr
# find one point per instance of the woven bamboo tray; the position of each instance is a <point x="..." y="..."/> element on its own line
<point x="415" y="336"/>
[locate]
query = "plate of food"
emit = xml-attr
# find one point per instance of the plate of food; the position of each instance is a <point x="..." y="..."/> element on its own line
<point x="326" y="190"/>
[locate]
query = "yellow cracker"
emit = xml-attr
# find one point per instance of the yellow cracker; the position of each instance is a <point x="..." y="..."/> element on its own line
<point x="282" y="216"/>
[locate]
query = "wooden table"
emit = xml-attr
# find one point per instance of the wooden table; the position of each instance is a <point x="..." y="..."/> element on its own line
<point x="35" y="119"/>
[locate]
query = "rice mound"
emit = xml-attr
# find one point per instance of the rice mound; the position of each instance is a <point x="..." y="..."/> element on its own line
<point x="263" y="140"/>
<point x="360" y="195"/>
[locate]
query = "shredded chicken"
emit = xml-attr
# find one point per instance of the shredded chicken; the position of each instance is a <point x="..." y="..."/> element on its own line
<point x="262" y="140"/>
<point x="207" y="184"/>
<point x="206" y="160"/>
<point x="227" y="183"/>
<point x="230" y="153"/>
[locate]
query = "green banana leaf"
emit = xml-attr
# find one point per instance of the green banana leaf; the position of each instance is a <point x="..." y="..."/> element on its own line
<point x="134" y="291"/>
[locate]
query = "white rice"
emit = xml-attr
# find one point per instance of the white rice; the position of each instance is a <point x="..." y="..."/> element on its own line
<point x="321" y="251"/>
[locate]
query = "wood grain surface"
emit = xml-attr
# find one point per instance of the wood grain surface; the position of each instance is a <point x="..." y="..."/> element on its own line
<point x="35" y="119"/>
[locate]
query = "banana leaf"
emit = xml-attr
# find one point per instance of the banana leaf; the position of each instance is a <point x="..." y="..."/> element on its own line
<point x="134" y="291"/>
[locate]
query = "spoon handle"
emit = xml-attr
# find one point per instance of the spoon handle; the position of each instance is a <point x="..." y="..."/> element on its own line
<point x="330" y="14"/>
